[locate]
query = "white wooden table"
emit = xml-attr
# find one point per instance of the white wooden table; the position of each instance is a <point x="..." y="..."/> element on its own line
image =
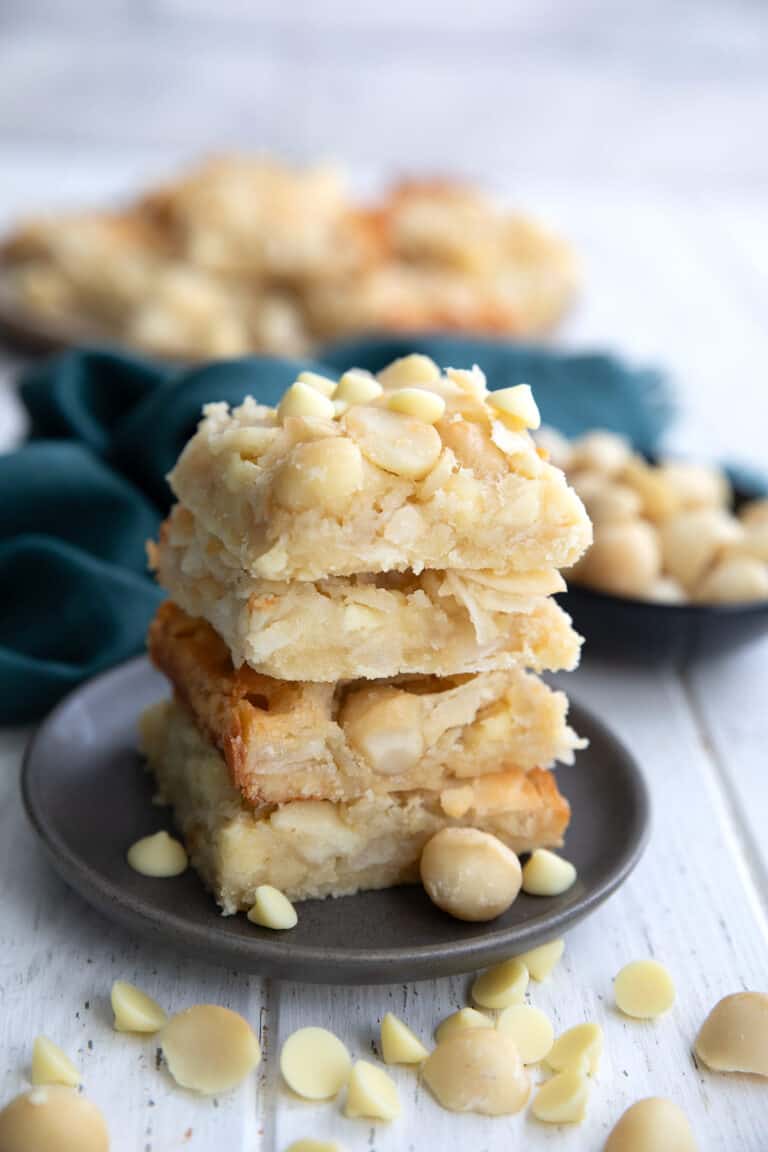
<point x="683" y="284"/>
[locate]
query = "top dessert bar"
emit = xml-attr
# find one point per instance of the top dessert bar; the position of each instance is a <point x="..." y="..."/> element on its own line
<point x="409" y="470"/>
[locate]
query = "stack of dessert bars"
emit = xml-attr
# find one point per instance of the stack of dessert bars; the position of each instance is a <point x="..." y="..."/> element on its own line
<point x="361" y="583"/>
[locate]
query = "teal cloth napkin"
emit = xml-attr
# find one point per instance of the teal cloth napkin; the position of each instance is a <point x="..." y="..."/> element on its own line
<point x="79" y="501"/>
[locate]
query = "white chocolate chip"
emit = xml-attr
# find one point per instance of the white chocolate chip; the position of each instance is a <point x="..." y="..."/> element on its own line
<point x="399" y="1045"/>
<point x="419" y="403"/>
<point x="323" y="474"/>
<point x="734" y="1037"/>
<point x="371" y="1093"/>
<point x="52" y="1119"/>
<point x="362" y="618"/>
<point x="459" y="1021"/>
<point x="652" y="1125"/>
<point x="516" y="405"/>
<point x="396" y="443"/>
<point x="310" y="1145"/>
<point x="547" y="874"/>
<point x="52" y="1066"/>
<point x="541" y="961"/>
<point x="271" y="909"/>
<point x="470" y="874"/>
<point x="314" y="1063"/>
<point x="578" y="1049"/>
<point x="501" y="986"/>
<point x="478" y="1070"/>
<point x="209" y="1049"/>
<point x="302" y="400"/>
<point x="159" y="855"/>
<point x="644" y="989"/>
<point x="357" y="387"/>
<point x="562" y="1100"/>
<point x="530" y="1029"/>
<point x="134" y="1010"/>
<point x="322" y="384"/>
<point x="413" y="369"/>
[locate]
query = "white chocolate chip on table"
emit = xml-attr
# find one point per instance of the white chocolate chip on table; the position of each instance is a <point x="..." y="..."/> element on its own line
<point x="644" y="989"/>
<point x="652" y="1125"/>
<point x="478" y="1070"/>
<point x="310" y="1145"/>
<point x="50" y="1065"/>
<point x="470" y="874"/>
<point x="209" y="1049"/>
<point x="52" y="1119"/>
<point x="734" y="1036"/>
<point x="159" y="856"/>
<point x="547" y="874"/>
<point x="399" y="1045"/>
<point x="314" y="1063"/>
<point x="134" y="1010"/>
<point x="371" y="1093"/>
<point x="502" y="985"/>
<point x="563" y="1099"/>
<point x="458" y="1021"/>
<point x="271" y="909"/>
<point x="530" y="1029"/>
<point x="577" y="1049"/>
<point x="542" y="961"/>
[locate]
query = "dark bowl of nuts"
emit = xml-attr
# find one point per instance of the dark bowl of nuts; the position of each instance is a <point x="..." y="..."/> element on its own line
<point x="679" y="564"/>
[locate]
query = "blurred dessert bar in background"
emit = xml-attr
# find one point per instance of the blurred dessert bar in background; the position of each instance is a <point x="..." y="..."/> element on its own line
<point x="246" y="255"/>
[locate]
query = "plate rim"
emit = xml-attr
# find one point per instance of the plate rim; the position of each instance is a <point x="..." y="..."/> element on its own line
<point x="279" y="956"/>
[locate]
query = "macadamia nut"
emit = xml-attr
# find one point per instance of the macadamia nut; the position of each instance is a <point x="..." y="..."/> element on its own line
<point x="600" y="451"/>
<point x="371" y="1093"/>
<point x="322" y="474"/>
<point x="397" y="443"/>
<point x="734" y="1037"/>
<point x="209" y="1049"/>
<point x="625" y="559"/>
<point x="314" y="1063"/>
<point x="547" y="874"/>
<point x="52" y="1119"/>
<point x="399" y="1045"/>
<point x="734" y="579"/>
<point x="478" y="1070"/>
<point x="652" y="1125"/>
<point x="470" y="874"/>
<point x="158" y="856"/>
<point x="691" y="541"/>
<point x="644" y="989"/>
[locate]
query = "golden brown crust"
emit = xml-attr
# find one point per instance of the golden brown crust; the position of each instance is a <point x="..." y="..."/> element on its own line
<point x="284" y="740"/>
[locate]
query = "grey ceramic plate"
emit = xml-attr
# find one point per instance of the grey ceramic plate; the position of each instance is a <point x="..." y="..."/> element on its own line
<point x="89" y="798"/>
